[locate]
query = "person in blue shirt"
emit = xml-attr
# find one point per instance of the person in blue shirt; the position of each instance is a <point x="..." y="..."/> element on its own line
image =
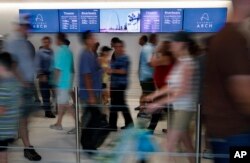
<point x="119" y="82"/>
<point x="44" y="60"/>
<point x="63" y="76"/>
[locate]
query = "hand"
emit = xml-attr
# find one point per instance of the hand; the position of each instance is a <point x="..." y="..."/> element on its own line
<point x="2" y="110"/>
<point x="91" y="100"/>
<point x="43" y="78"/>
<point x="148" y="98"/>
<point x="108" y="70"/>
<point x="152" y="107"/>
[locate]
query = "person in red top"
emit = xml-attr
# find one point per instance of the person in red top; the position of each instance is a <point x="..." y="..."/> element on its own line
<point x="162" y="62"/>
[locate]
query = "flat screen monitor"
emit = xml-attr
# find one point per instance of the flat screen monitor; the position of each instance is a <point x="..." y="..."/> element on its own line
<point x="120" y="20"/>
<point x="171" y="20"/>
<point x="79" y="20"/>
<point x="204" y="19"/>
<point x="42" y="21"/>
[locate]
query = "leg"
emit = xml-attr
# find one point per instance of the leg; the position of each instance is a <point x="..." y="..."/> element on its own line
<point x="45" y="93"/>
<point x="124" y="107"/>
<point x="113" y="109"/>
<point x="187" y="141"/>
<point x="3" y="157"/>
<point x="154" y="121"/>
<point x="61" y="111"/>
<point x="24" y="133"/>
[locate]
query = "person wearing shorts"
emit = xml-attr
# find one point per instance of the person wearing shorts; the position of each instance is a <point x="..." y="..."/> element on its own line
<point x="63" y="65"/>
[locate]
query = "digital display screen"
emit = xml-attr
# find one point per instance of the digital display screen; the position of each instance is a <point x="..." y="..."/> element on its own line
<point x="69" y="21"/>
<point x="42" y="21"/>
<point x="120" y="20"/>
<point x="204" y="19"/>
<point x="150" y="20"/>
<point x="161" y="20"/>
<point x="171" y="20"/>
<point x="89" y="20"/>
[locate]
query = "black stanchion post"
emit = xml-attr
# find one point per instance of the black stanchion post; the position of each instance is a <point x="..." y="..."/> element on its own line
<point x="198" y="134"/>
<point x="77" y="125"/>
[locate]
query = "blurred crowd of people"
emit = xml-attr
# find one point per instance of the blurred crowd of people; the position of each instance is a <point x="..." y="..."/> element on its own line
<point x="175" y="76"/>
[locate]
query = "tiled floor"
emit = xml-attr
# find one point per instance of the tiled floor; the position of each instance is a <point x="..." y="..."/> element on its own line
<point x="58" y="146"/>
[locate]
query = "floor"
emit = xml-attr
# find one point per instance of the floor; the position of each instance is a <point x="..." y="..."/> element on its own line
<point x="58" y="146"/>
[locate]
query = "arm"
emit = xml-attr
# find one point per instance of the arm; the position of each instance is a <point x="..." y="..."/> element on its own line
<point x="87" y="78"/>
<point x="57" y="75"/>
<point x="174" y="93"/>
<point x="159" y="61"/>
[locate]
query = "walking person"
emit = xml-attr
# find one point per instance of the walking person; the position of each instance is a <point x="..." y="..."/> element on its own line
<point x="63" y="79"/>
<point x="182" y="93"/>
<point x="44" y="61"/>
<point x="23" y="54"/>
<point x="119" y="83"/>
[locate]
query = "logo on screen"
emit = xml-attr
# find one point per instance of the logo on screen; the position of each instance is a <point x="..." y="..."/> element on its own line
<point x="39" y="22"/>
<point x="205" y="17"/>
<point x="39" y="18"/>
<point x="205" y="22"/>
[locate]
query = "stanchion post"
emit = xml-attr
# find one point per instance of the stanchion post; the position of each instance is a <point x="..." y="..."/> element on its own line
<point x="78" y="160"/>
<point x="198" y="134"/>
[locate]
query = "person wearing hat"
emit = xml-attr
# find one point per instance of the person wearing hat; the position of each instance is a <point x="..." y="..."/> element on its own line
<point x="23" y="53"/>
<point x="181" y="92"/>
<point x="104" y="60"/>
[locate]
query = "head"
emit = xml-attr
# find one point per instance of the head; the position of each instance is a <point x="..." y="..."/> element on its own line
<point x="119" y="47"/>
<point x="66" y="42"/>
<point x="241" y="8"/>
<point x="6" y="63"/>
<point x="60" y="39"/>
<point x="113" y="41"/>
<point x="23" y="25"/>
<point x="88" y="39"/>
<point x="143" y="40"/>
<point x="153" y="39"/>
<point x="46" y="42"/>
<point x="105" y="51"/>
<point x="96" y="46"/>
<point x="182" y="44"/>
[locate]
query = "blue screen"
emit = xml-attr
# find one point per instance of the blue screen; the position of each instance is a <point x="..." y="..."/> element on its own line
<point x="89" y="20"/>
<point x="43" y="21"/>
<point x="161" y="20"/>
<point x="120" y="20"/>
<point x="204" y="20"/>
<point x="74" y="20"/>
<point x="69" y="21"/>
<point x="171" y="20"/>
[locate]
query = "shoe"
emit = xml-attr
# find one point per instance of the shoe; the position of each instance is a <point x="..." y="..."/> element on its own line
<point x="137" y="108"/>
<point x="164" y="130"/>
<point x="56" y="127"/>
<point x="49" y="115"/>
<point x="127" y="126"/>
<point x="144" y="115"/>
<point x="31" y="154"/>
<point x="112" y="128"/>
<point x="72" y="131"/>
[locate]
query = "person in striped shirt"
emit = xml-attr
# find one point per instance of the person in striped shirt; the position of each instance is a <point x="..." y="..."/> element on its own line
<point x="9" y="105"/>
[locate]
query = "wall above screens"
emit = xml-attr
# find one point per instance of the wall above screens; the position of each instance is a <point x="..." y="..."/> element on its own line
<point x="128" y="20"/>
<point x="43" y="21"/>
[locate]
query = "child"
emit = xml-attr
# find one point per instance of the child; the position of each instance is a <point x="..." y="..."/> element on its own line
<point x="9" y="100"/>
<point x="104" y="60"/>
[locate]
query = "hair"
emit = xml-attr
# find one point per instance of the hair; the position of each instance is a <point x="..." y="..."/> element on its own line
<point x="86" y="35"/>
<point x="67" y="42"/>
<point x="115" y="40"/>
<point x="144" y="38"/>
<point x="46" y="38"/>
<point x="152" y="37"/>
<point x="193" y="48"/>
<point x="120" y="42"/>
<point x="6" y="60"/>
<point x="61" y="36"/>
